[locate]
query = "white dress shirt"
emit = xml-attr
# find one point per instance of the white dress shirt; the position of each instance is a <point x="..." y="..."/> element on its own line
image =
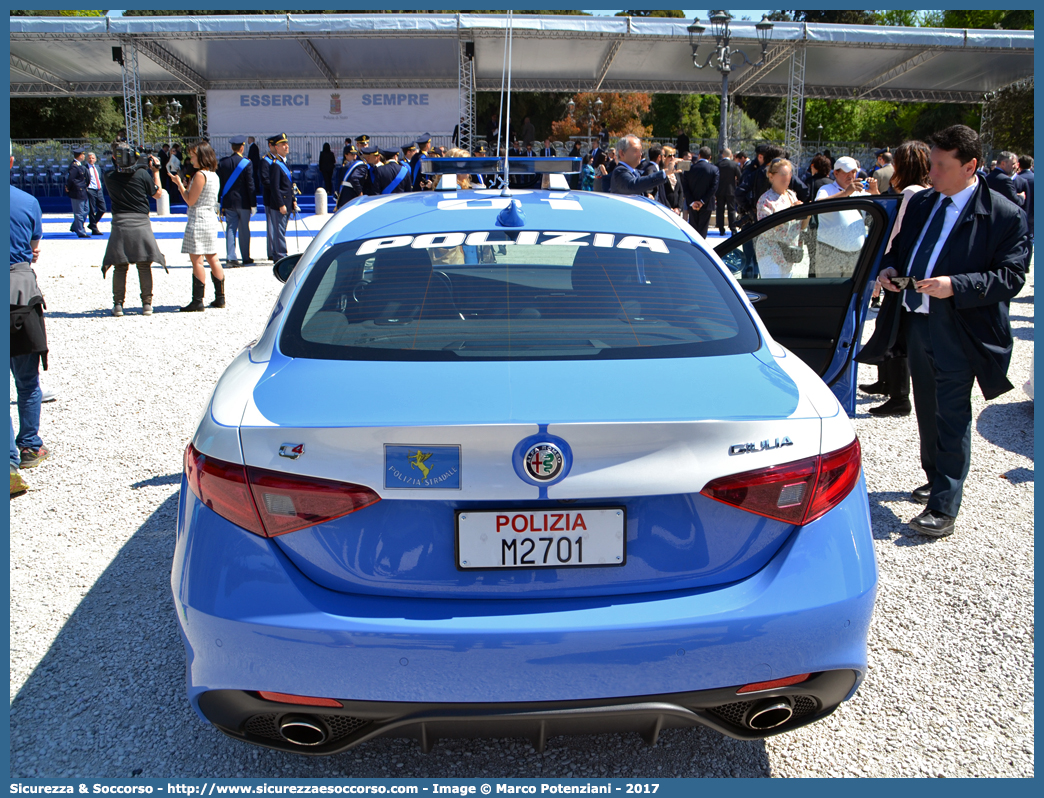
<point x="953" y="211"/>
<point x="95" y="182"/>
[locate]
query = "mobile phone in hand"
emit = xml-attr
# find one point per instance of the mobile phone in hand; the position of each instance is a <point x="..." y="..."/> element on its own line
<point x="902" y="283"/>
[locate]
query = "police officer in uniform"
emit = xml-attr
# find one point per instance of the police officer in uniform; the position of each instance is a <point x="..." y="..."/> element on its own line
<point x="354" y="176"/>
<point x="418" y="180"/>
<point x="237" y="200"/>
<point x="389" y="178"/>
<point x="266" y="165"/>
<point x="409" y="149"/>
<point x="281" y="194"/>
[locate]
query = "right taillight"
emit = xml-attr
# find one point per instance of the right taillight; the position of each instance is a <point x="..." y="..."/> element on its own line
<point x="269" y="503"/>
<point x="797" y="492"/>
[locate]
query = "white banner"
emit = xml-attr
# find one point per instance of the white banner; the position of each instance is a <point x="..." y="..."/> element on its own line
<point x="341" y="112"/>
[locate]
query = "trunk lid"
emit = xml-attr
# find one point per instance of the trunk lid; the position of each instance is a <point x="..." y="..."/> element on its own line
<point x="643" y="436"/>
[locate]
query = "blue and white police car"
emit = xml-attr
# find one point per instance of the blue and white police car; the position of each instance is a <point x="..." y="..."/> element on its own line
<point x="534" y="465"/>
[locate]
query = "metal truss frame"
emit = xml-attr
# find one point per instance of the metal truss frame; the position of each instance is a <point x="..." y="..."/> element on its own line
<point x="319" y="62"/>
<point x="132" y="93"/>
<point x="607" y="62"/>
<point x="114" y="89"/>
<point x="201" y="114"/>
<point x="751" y="75"/>
<point x="38" y="72"/>
<point x="889" y="75"/>
<point x="795" y="100"/>
<point x="465" y="98"/>
<point x="174" y="65"/>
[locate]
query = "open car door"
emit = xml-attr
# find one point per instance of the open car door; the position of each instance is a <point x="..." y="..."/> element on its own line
<point x="809" y="271"/>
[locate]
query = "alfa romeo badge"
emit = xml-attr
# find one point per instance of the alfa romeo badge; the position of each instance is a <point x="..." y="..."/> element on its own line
<point x="544" y="462"/>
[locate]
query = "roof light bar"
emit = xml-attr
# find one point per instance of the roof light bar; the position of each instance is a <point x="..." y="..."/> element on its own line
<point x="493" y="166"/>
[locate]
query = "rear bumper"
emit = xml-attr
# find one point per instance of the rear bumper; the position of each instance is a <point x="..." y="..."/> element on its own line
<point x="245" y="716"/>
<point x="251" y="621"/>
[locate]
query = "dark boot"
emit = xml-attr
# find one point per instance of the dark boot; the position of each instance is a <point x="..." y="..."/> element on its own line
<point x="198" y="287"/>
<point x="219" y="292"/>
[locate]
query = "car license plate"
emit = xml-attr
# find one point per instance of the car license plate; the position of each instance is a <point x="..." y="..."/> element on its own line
<point x="540" y="538"/>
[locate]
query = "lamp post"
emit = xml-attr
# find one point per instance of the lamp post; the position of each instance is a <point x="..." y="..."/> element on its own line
<point x="819" y="136"/>
<point x="722" y="56"/>
<point x="593" y="117"/>
<point x="172" y="115"/>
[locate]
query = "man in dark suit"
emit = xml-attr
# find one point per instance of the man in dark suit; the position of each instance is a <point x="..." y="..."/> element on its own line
<point x="237" y="200"/>
<point x="76" y="188"/>
<point x="95" y="193"/>
<point x="681" y="144"/>
<point x="1026" y="173"/>
<point x="625" y="178"/>
<point x="700" y="184"/>
<point x="254" y="155"/>
<point x="651" y="165"/>
<point x="728" y="179"/>
<point x="1000" y="179"/>
<point x="281" y="195"/>
<point x="547" y="151"/>
<point x="965" y="248"/>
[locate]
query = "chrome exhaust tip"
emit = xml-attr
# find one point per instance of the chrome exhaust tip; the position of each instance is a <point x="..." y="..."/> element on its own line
<point x="769" y="714"/>
<point x="303" y="730"/>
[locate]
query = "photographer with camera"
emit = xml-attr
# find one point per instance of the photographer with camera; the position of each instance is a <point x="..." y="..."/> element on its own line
<point x="130" y="185"/>
<point x="841" y="233"/>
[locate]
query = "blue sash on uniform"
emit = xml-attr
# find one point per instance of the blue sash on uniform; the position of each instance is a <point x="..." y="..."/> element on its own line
<point x="416" y="168"/>
<point x="234" y="176"/>
<point x="347" y="174"/>
<point x="405" y="170"/>
<point x="286" y="171"/>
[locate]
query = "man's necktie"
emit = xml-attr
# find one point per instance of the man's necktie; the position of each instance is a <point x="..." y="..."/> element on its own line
<point x="919" y="263"/>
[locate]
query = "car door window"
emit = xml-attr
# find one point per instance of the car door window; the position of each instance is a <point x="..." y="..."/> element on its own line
<point x="823" y="245"/>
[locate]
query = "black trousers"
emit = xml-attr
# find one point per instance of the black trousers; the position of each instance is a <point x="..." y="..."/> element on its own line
<point x="942" y="382"/>
<point x="894" y="373"/>
<point x="701" y="219"/>
<point x="726" y="205"/>
<point x="96" y="203"/>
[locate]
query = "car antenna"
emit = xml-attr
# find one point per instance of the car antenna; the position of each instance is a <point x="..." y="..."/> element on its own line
<point x="506" y="191"/>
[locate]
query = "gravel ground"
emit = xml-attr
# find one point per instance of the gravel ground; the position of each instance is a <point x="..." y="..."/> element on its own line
<point x="97" y="665"/>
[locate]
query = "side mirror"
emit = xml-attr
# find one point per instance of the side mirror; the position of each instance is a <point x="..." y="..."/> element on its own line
<point x="284" y="267"/>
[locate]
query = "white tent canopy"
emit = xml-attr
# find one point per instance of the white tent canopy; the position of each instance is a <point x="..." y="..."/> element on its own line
<point x="56" y="56"/>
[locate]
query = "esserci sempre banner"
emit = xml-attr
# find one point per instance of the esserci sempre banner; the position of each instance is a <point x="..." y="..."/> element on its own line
<point x="375" y="112"/>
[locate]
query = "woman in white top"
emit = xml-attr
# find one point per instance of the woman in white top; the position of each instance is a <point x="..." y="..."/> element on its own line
<point x="912" y="163"/>
<point x="203" y="225"/>
<point x="779" y="248"/>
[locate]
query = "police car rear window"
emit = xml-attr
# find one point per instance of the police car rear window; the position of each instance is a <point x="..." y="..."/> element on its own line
<point x="529" y="295"/>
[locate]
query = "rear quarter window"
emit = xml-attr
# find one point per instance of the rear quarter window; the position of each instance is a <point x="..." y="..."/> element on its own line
<point x="515" y="295"/>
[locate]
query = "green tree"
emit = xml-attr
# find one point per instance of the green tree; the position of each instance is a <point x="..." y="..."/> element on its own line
<point x="65" y="117"/>
<point x="58" y="13"/>
<point x="1021" y="19"/>
<point x="646" y="13"/>
<point x="212" y="12"/>
<point x="1011" y="119"/>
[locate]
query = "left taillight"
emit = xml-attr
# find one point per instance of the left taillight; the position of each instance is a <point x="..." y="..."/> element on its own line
<point x="269" y="503"/>
<point x="798" y="492"/>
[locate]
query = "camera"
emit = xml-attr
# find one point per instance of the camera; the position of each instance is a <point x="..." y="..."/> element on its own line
<point x="129" y="159"/>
